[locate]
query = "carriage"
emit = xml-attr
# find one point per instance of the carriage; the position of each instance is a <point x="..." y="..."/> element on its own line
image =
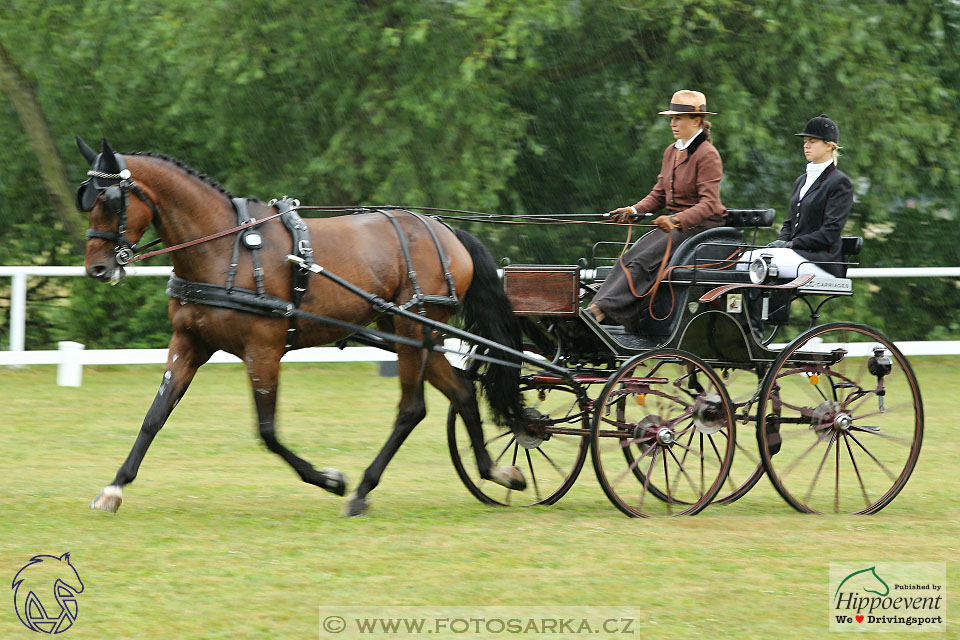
<point x="835" y="412"/>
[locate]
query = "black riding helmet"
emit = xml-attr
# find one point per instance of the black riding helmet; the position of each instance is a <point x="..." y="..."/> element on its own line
<point x="822" y="128"/>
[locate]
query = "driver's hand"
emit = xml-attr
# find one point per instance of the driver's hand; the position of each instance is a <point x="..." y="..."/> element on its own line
<point x="620" y="215"/>
<point x="664" y="223"/>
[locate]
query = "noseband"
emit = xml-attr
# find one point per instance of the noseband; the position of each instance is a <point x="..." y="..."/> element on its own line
<point x="115" y="201"/>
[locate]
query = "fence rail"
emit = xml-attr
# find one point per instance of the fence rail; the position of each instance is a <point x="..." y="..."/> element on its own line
<point x="72" y="356"/>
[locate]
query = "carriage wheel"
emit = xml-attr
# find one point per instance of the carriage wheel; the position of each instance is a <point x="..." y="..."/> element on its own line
<point x="743" y="387"/>
<point x="550" y="461"/>
<point x="842" y="420"/>
<point x="663" y="428"/>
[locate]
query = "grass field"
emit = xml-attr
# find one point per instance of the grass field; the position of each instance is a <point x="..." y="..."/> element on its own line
<point x="218" y="538"/>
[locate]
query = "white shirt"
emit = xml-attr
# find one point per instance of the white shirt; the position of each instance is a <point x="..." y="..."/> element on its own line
<point x="681" y="145"/>
<point x="813" y="172"/>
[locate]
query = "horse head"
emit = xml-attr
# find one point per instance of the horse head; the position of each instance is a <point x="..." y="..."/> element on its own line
<point x="865" y="580"/>
<point x="117" y="222"/>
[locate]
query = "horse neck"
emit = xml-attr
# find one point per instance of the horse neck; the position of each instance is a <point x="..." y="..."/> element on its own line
<point x="189" y="209"/>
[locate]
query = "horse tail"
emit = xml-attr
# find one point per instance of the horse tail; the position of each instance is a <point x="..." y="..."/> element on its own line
<point x="487" y="313"/>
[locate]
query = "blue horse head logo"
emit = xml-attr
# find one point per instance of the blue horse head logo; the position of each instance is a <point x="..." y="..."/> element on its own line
<point x="45" y="593"/>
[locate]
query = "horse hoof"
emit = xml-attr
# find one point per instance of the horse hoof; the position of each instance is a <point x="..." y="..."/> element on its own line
<point x="509" y="477"/>
<point x="109" y="499"/>
<point x="334" y="481"/>
<point x="356" y="506"/>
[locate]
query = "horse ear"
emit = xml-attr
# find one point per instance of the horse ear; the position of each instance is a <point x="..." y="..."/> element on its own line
<point x="85" y="149"/>
<point x="109" y="158"/>
<point x="65" y="557"/>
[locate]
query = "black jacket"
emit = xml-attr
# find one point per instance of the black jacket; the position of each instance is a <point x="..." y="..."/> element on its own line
<point x="815" y="224"/>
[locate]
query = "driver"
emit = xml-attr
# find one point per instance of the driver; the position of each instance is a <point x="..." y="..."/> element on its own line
<point x="688" y="186"/>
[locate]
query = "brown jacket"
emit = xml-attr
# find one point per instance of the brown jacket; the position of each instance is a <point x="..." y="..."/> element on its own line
<point x="688" y="184"/>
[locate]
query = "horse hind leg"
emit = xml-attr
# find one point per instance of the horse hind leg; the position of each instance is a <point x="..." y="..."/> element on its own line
<point x="264" y="370"/>
<point x="461" y="393"/>
<point x="184" y="357"/>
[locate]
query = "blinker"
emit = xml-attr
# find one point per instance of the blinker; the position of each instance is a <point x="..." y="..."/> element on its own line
<point x="86" y="196"/>
<point x="113" y="200"/>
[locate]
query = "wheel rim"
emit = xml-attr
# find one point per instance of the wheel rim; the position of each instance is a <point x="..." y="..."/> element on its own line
<point x="550" y="461"/>
<point x="663" y="435"/>
<point x="837" y="437"/>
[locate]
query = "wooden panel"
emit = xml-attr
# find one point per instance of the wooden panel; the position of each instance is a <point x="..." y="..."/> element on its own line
<point x="543" y="290"/>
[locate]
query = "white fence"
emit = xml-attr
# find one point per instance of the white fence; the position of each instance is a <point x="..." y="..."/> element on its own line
<point x="71" y="356"/>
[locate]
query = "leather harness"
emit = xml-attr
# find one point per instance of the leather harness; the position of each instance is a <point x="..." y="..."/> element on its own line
<point x="259" y="302"/>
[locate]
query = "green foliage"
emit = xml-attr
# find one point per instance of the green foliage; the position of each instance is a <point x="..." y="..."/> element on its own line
<point x="515" y="107"/>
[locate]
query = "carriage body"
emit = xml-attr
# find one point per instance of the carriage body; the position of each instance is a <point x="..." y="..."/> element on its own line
<point x="705" y="360"/>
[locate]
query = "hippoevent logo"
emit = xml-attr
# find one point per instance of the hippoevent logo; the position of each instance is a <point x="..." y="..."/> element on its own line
<point x="888" y="596"/>
<point x="45" y="593"/>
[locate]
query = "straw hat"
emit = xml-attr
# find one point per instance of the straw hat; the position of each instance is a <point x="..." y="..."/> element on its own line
<point x="686" y="103"/>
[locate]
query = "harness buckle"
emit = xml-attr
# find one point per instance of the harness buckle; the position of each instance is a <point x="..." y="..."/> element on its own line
<point x="123" y="255"/>
<point x="304" y="248"/>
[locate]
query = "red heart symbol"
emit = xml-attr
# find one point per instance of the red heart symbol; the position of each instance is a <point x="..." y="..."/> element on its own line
<point x="859" y="618"/>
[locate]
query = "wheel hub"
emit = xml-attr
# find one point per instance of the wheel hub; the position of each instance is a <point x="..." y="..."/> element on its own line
<point x="665" y="436"/>
<point x="707" y="413"/>
<point x="531" y="433"/>
<point x="824" y="414"/>
<point x="649" y="424"/>
<point x="842" y="422"/>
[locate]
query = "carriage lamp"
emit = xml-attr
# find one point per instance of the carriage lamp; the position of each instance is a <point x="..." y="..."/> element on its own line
<point x="880" y="364"/>
<point x="762" y="270"/>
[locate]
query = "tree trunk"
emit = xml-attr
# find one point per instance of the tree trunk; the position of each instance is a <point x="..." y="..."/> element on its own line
<point x="52" y="173"/>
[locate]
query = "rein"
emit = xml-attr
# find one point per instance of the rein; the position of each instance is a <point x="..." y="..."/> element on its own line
<point x="549" y="219"/>
<point x="212" y="236"/>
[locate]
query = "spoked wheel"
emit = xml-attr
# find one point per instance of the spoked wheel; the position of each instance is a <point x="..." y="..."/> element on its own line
<point x="550" y="449"/>
<point x="743" y="387"/>
<point x="842" y="420"/>
<point x="663" y="435"/>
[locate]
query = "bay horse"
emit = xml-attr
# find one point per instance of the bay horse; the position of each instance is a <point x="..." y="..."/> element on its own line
<point x="127" y="193"/>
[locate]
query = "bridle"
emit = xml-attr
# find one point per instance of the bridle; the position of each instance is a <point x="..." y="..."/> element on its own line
<point x="115" y="202"/>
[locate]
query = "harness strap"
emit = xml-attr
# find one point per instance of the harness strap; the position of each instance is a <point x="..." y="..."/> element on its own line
<point x="301" y="248"/>
<point x="238" y="299"/>
<point x="411" y="273"/>
<point x="443" y="261"/>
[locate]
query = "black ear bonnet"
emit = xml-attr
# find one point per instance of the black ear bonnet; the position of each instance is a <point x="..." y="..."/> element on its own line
<point x="105" y="163"/>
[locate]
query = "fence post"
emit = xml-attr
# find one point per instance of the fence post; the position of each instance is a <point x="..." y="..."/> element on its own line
<point x="18" y="311"/>
<point x="70" y="369"/>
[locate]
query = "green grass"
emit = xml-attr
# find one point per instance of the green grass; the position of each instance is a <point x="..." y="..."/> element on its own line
<point x="218" y="538"/>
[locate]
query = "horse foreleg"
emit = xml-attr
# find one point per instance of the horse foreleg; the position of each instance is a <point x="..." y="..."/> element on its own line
<point x="184" y="357"/>
<point x="462" y="395"/>
<point x="412" y="409"/>
<point x="264" y="376"/>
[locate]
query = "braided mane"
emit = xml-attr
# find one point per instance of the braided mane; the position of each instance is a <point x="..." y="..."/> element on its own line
<point x="187" y="169"/>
